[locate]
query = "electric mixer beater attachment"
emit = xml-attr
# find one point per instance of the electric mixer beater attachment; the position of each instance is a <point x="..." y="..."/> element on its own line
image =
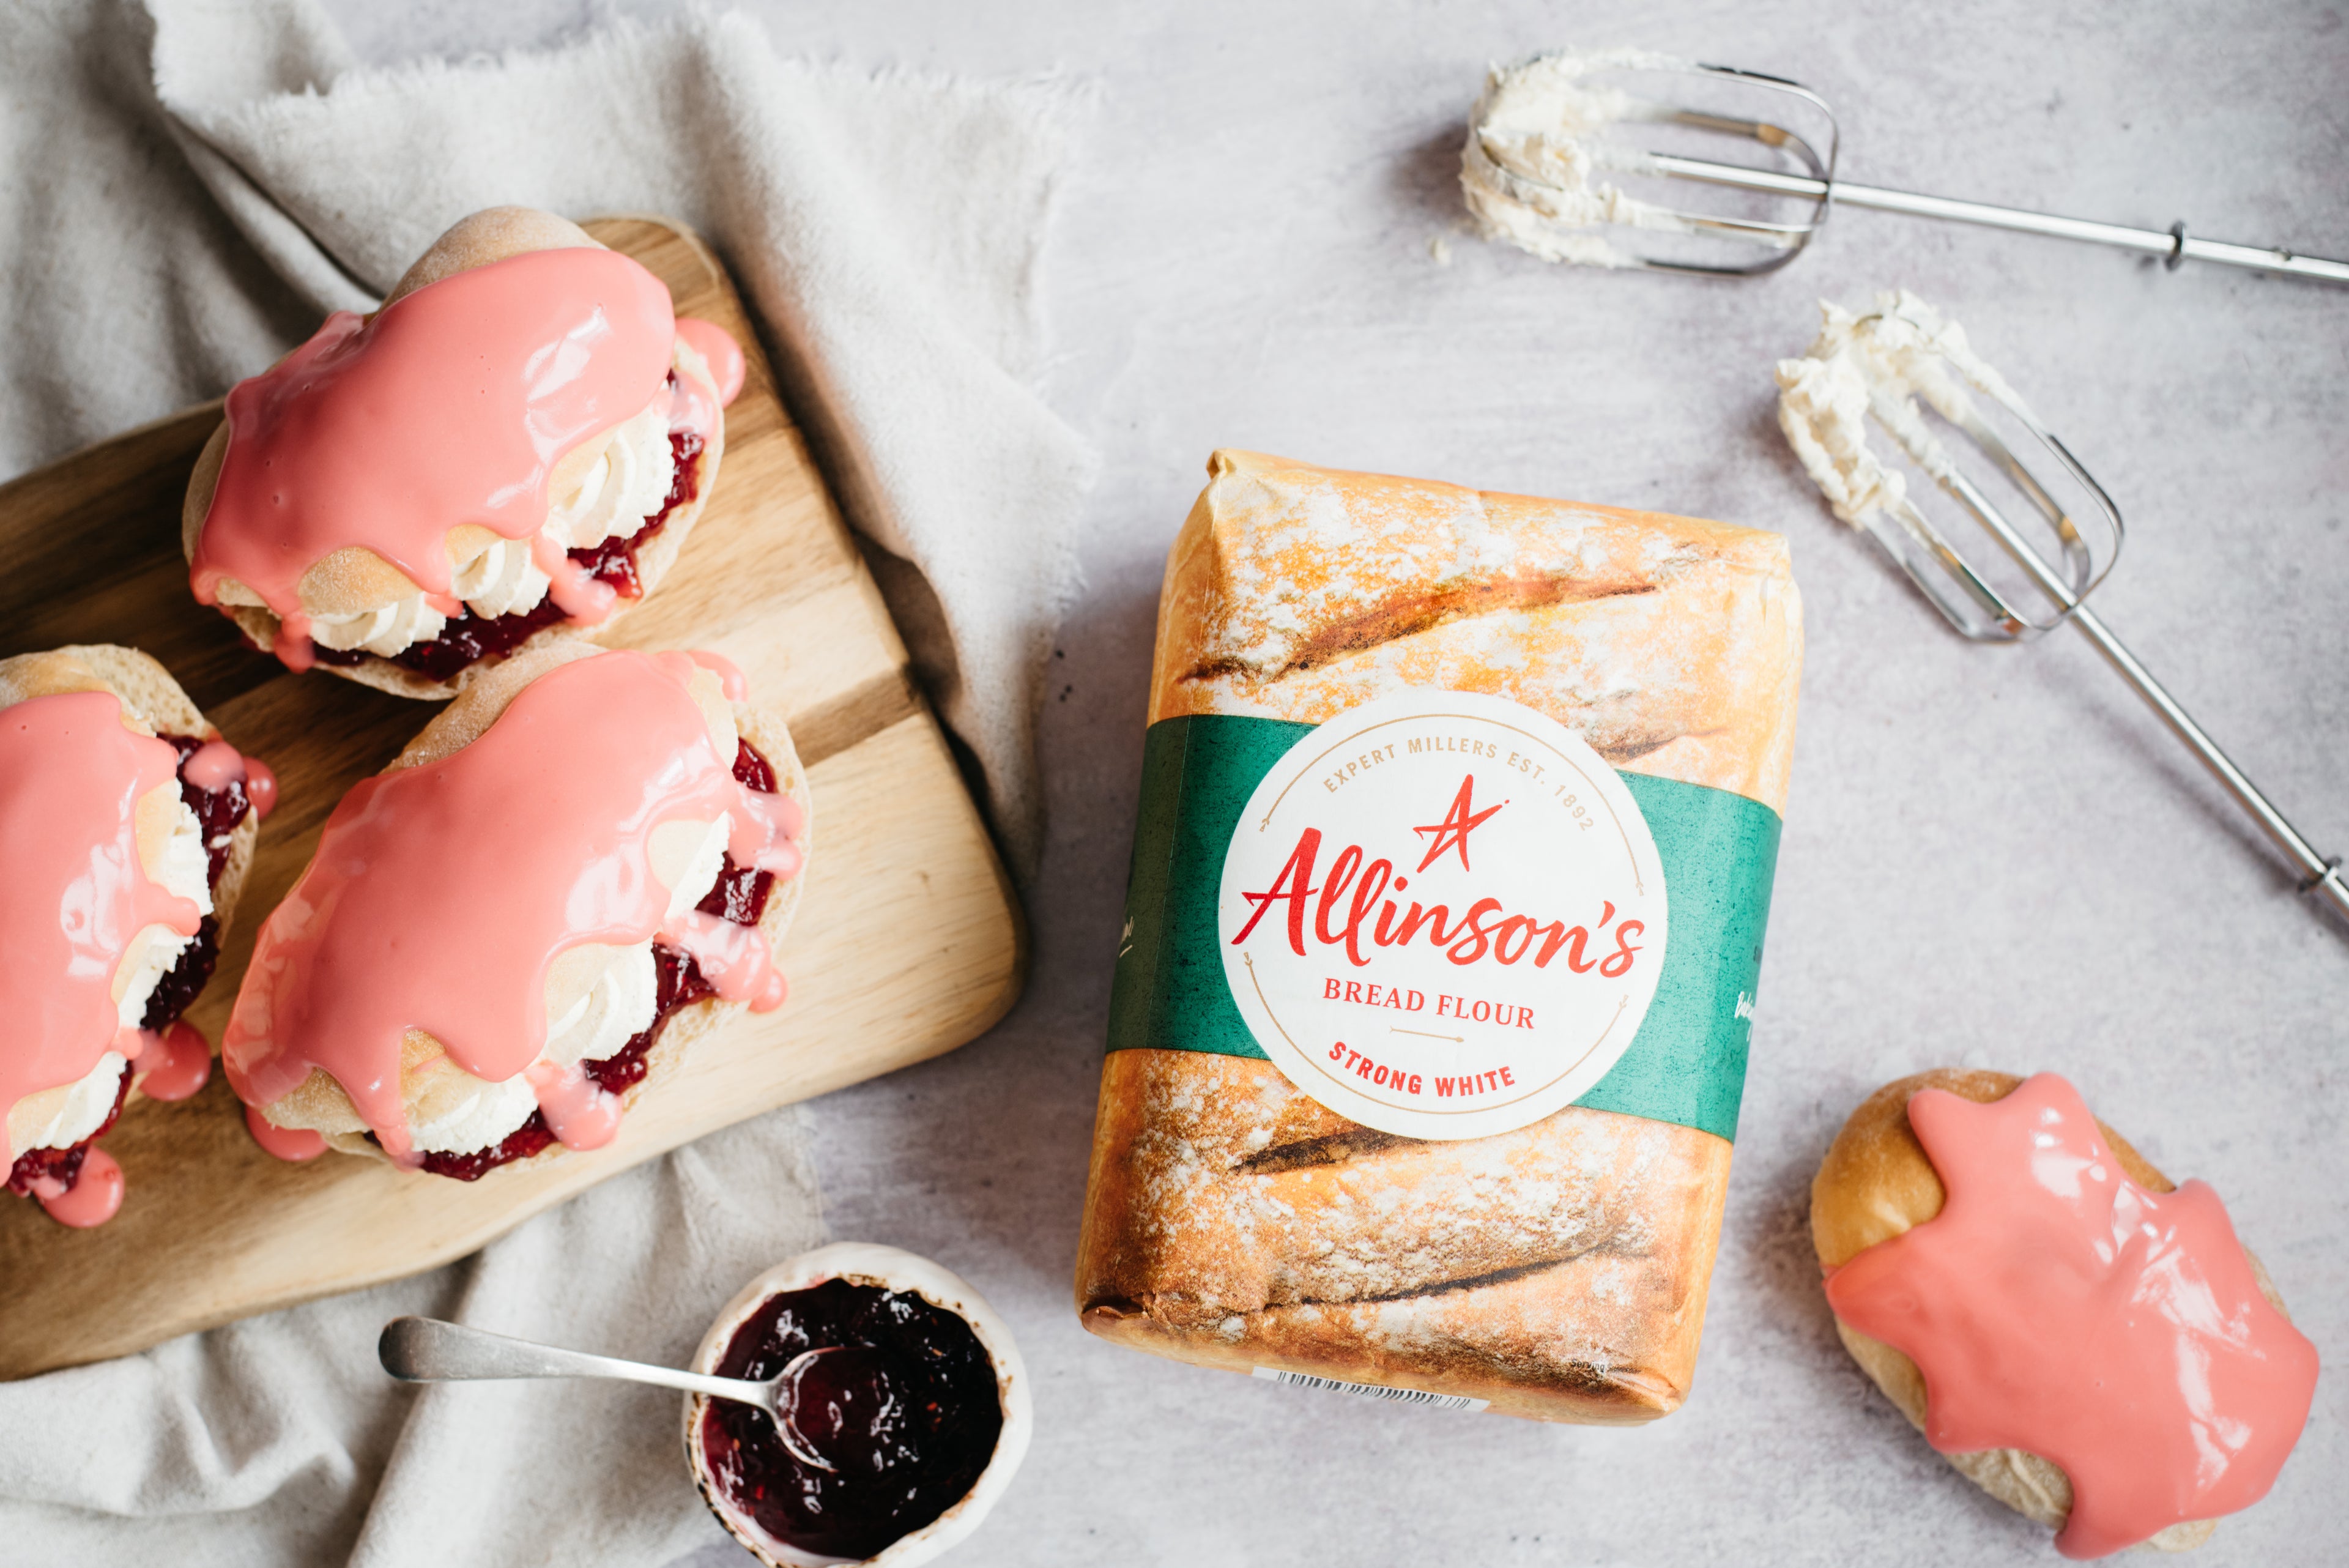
<point x="1880" y="366"/>
<point x="1544" y="139"/>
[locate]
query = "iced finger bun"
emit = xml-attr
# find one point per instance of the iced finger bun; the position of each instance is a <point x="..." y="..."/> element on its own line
<point x="514" y="448"/>
<point x="2081" y="1337"/>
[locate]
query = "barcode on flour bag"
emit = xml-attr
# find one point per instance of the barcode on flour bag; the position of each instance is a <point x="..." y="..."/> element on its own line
<point x="1371" y="1390"/>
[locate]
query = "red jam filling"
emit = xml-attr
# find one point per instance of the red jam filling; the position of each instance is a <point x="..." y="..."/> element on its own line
<point x="218" y="813"/>
<point x="469" y="639"/>
<point x="909" y="1419"/>
<point x="740" y="895"/>
<point x="186" y="981"/>
<point x="614" y="560"/>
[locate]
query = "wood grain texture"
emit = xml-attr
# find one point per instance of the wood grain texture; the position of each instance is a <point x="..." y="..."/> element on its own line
<point x="908" y="944"/>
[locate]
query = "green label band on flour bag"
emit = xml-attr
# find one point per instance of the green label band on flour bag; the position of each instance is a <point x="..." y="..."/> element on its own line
<point x="1496" y="914"/>
<point x="1443" y="915"/>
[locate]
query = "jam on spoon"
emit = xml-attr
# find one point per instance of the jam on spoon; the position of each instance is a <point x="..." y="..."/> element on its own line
<point x="427" y="1350"/>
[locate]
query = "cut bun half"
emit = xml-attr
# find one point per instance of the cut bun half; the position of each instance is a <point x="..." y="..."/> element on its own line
<point x="153" y="704"/>
<point x="353" y="578"/>
<point x="430" y="1080"/>
<point x="1876" y="1183"/>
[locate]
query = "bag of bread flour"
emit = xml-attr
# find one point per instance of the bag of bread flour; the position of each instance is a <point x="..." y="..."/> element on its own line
<point x="1458" y="818"/>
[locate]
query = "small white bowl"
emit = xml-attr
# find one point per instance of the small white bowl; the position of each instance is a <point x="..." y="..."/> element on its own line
<point x="864" y="1263"/>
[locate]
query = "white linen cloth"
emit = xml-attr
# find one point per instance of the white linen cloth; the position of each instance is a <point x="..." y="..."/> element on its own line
<point x="188" y="185"/>
<point x="279" y="1440"/>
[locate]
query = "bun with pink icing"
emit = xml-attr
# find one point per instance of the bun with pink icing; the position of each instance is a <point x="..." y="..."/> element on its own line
<point x="582" y="867"/>
<point x="2081" y="1337"/>
<point x="127" y="826"/>
<point x="514" y="448"/>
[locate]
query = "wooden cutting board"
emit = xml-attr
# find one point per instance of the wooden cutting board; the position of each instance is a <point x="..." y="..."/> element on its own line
<point x="907" y="943"/>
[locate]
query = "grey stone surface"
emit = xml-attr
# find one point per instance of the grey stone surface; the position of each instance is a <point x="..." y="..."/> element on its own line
<point x="1992" y="856"/>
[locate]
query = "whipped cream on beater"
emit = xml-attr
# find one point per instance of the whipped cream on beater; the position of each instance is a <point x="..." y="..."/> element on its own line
<point x="1536" y="141"/>
<point x="598" y="998"/>
<point x="626" y="483"/>
<point x="1880" y="365"/>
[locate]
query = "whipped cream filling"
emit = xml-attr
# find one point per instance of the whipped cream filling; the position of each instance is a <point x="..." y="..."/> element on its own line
<point x="626" y="483"/>
<point x="386" y="630"/>
<point x="83" y="1109"/>
<point x="1531" y="172"/>
<point x="1879" y="366"/>
<point x="598" y="998"/>
<point x="501" y="580"/>
<point x="185" y="871"/>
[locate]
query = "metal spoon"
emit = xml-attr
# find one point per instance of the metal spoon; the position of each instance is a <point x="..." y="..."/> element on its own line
<point x="427" y="1350"/>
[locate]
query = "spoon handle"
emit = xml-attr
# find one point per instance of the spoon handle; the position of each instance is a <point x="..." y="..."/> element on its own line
<point x="426" y="1350"/>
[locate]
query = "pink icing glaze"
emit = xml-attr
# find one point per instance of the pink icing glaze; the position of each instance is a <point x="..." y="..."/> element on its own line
<point x="717" y="345"/>
<point x="690" y="408"/>
<point x="74" y="893"/>
<point x="578" y="592"/>
<point x="730" y="675"/>
<point x="292" y="1145"/>
<point x="92" y="1200"/>
<point x="449" y="406"/>
<point x="733" y="958"/>
<point x="441" y="894"/>
<point x="214" y="766"/>
<point x="2056" y="1306"/>
<point x="578" y="1112"/>
<point x="260" y="787"/>
<point x="173" y="1064"/>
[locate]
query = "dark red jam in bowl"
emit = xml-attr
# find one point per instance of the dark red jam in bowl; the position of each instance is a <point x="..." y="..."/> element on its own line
<point x="740" y="894"/>
<point x="469" y="639"/>
<point x="908" y="1418"/>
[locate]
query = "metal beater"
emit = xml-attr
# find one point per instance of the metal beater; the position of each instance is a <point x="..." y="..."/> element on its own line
<point x="1543" y="129"/>
<point x="1877" y="367"/>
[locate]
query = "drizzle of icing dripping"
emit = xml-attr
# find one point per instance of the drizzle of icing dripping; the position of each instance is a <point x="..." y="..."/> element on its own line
<point x="292" y="1145"/>
<point x="92" y="1200"/>
<point x="260" y="787"/>
<point x="173" y="1064"/>
<point x="717" y="346"/>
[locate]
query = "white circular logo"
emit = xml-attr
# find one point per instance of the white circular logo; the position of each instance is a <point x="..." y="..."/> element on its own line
<point x="1443" y="915"/>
